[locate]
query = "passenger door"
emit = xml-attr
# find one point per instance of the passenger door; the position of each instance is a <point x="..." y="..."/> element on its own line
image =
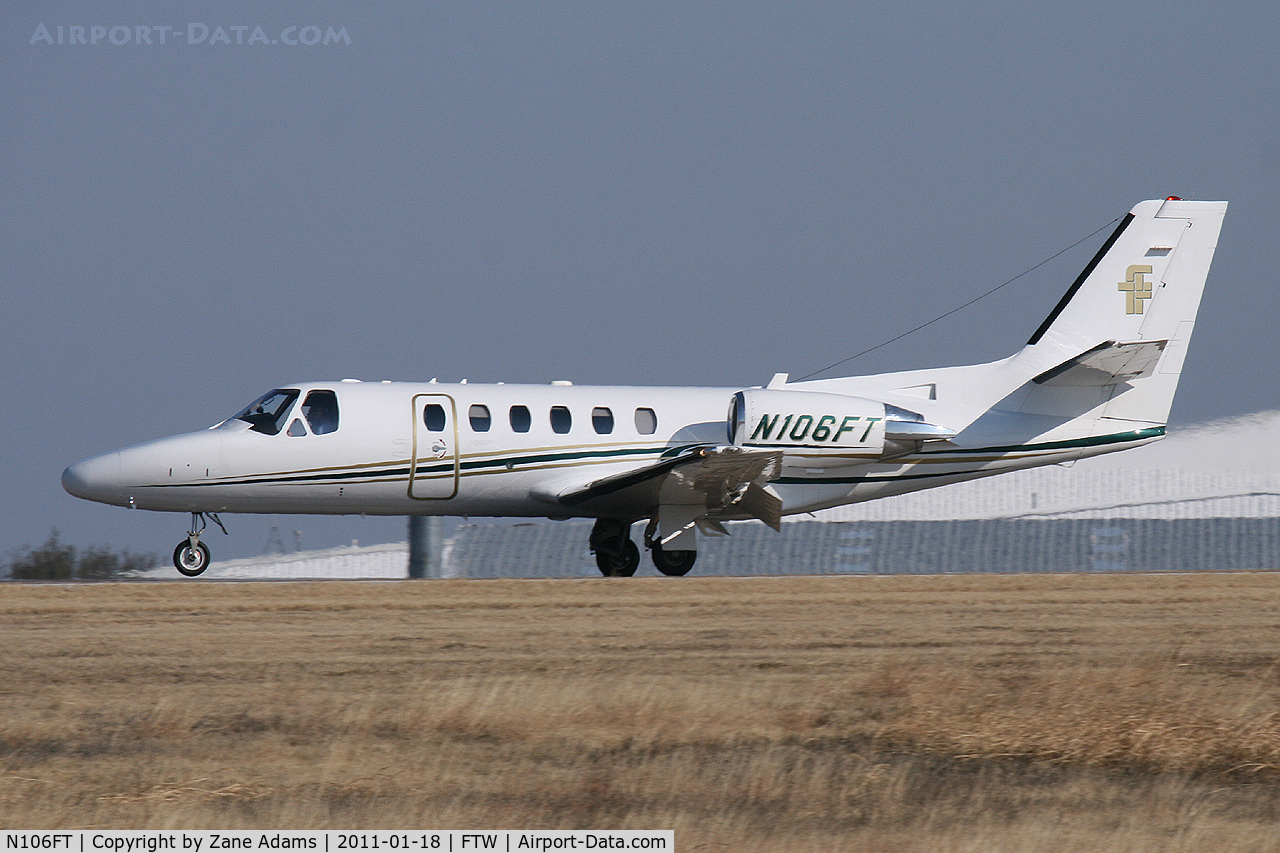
<point x="433" y="473"/>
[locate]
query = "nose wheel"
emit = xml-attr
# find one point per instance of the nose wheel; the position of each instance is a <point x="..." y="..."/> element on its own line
<point x="191" y="557"/>
<point x="189" y="560"/>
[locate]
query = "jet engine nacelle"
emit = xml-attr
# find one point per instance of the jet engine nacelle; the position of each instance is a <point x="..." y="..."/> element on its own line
<point x="809" y="426"/>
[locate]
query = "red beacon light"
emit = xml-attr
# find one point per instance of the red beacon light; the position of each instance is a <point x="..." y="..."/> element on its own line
<point x="1173" y="198"/>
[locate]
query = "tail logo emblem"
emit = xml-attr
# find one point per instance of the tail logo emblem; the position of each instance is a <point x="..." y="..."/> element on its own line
<point x="1136" y="287"/>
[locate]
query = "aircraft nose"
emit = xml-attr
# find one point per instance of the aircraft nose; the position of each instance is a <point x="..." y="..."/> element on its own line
<point x="96" y="479"/>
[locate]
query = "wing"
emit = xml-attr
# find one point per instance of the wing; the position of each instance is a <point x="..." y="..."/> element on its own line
<point x="727" y="480"/>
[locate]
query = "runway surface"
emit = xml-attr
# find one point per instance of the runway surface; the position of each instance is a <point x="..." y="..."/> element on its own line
<point x="1027" y="712"/>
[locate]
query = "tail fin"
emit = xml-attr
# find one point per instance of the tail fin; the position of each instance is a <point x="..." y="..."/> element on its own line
<point x="1105" y="361"/>
<point x="1123" y="327"/>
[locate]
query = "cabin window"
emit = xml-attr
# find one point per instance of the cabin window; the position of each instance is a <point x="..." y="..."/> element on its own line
<point x="602" y="419"/>
<point x="480" y="419"/>
<point x="561" y="420"/>
<point x="268" y="413"/>
<point x="521" y="420"/>
<point x="433" y="417"/>
<point x="321" y="411"/>
<point x="646" y="421"/>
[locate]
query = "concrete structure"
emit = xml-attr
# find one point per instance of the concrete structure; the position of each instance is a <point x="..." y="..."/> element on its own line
<point x="1226" y="469"/>
<point x="549" y="549"/>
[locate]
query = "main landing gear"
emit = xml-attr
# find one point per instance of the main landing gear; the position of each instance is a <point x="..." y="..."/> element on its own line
<point x="191" y="557"/>
<point x="618" y="557"/>
<point x="672" y="563"/>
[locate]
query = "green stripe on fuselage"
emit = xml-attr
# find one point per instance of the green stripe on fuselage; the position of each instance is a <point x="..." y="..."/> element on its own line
<point x="969" y="453"/>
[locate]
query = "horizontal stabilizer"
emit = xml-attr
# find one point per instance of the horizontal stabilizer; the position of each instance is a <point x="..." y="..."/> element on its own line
<point x="1108" y="363"/>
<point x="916" y="431"/>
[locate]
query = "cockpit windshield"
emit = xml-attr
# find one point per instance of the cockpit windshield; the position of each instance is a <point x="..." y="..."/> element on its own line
<point x="267" y="414"/>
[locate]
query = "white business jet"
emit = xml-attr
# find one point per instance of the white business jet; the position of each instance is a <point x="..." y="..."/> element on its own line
<point x="1097" y="376"/>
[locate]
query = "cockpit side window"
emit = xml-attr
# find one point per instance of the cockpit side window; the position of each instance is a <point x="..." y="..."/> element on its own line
<point x="321" y="411"/>
<point x="267" y="414"/>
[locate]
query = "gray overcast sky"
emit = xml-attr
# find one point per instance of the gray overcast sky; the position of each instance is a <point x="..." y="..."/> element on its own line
<point x="631" y="193"/>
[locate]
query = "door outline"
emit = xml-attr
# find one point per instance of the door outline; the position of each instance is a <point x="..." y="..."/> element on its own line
<point x="439" y="486"/>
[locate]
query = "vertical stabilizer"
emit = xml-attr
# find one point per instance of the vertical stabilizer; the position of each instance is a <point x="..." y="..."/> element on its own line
<point x="1124" y="325"/>
<point x="1105" y="361"/>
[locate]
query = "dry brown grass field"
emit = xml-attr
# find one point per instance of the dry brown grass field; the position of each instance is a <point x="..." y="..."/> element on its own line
<point x="959" y="713"/>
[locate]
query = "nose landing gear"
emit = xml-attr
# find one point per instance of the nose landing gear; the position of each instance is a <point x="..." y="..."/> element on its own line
<point x="191" y="557"/>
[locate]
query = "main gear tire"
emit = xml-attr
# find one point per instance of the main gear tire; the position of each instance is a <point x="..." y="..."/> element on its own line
<point x="673" y="563"/>
<point x="617" y="557"/>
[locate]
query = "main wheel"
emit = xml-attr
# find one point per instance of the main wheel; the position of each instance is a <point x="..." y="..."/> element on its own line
<point x="673" y="563"/>
<point x="191" y="561"/>
<point x="618" y="557"/>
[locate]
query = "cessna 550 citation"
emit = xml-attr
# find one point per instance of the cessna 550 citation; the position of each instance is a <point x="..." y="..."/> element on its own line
<point x="1097" y="376"/>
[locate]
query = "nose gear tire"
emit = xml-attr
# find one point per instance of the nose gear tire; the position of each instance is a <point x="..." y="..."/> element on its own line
<point x="191" y="561"/>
